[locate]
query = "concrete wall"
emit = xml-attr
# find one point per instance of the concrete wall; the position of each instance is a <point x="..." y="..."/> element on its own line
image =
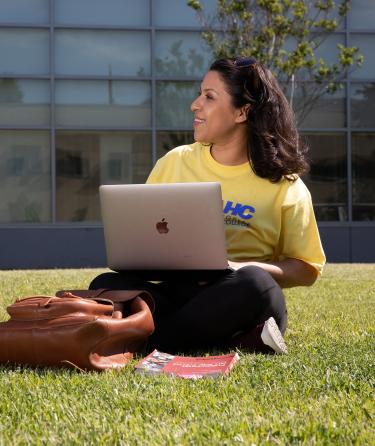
<point x="68" y="247"/>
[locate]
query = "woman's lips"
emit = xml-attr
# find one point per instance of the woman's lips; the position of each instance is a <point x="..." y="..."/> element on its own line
<point x="198" y="121"/>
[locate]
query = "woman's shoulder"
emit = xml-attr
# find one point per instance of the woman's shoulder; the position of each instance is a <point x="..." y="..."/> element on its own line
<point x="184" y="150"/>
<point x="295" y="190"/>
<point x="171" y="165"/>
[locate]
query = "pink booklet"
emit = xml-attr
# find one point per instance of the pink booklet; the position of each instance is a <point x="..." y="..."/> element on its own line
<point x="187" y="366"/>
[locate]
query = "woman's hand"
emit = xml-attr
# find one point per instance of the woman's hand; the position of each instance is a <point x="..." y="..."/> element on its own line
<point x="287" y="273"/>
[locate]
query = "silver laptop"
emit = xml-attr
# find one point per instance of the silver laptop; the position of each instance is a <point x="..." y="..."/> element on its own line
<point x="175" y="226"/>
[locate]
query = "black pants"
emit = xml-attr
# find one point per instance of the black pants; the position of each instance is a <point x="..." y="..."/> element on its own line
<point x="193" y="315"/>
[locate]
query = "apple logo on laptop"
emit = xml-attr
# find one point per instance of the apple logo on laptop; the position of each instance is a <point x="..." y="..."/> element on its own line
<point x="162" y="226"/>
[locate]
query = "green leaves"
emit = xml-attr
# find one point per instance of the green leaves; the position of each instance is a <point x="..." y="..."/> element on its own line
<point x="195" y="5"/>
<point x="348" y="56"/>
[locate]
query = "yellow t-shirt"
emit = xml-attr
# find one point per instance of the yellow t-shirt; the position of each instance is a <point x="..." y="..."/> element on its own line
<point x="264" y="221"/>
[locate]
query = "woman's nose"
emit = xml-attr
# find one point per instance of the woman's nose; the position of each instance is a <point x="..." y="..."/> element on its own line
<point x="195" y="105"/>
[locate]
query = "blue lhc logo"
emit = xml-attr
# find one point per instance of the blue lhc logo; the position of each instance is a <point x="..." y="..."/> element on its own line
<point x="240" y="210"/>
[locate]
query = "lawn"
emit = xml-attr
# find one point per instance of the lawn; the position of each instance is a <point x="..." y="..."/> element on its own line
<point x="322" y="392"/>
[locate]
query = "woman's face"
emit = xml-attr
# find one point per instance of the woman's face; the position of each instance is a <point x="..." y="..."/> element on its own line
<point x="216" y="120"/>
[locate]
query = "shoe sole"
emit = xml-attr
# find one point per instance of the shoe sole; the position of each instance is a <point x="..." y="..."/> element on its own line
<point x="272" y="336"/>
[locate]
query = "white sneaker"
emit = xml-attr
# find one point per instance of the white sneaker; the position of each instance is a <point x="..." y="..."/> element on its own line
<point x="272" y="336"/>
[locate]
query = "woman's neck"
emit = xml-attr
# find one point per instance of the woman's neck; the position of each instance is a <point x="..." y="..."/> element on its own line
<point x="229" y="154"/>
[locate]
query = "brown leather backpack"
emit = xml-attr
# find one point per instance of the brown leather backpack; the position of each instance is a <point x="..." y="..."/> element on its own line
<point x="90" y="330"/>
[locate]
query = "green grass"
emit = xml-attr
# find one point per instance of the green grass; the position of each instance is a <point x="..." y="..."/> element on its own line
<point x="322" y="392"/>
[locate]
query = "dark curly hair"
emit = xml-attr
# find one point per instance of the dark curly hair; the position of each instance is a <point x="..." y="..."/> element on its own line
<point x="275" y="148"/>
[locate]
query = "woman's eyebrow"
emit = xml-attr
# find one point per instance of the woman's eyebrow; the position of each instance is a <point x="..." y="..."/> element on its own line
<point x="210" y="89"/>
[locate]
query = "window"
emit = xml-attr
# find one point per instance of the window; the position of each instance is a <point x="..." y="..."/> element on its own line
<point x="362" y="15"/>
<point x="169" y="140"/>
<point x="181" y="54"/>
<point x="85" y="160"/>
<point x="363" y="151"/>
<point x="102" y="53"/>
<point x="366" y="44"/>
<point x="363" y="105"/>
<point x="327" y="112"/>
<point x="24" y="11"/>
<point x="177" y="13"/>
<point x="99" y="12"/>
<point x="24" y="51"/>
<point x="327" y="179"/>
<point x="173" y="101"/>
<point x="24" y="102"/>
<point x="103" y="103"/>
<point x="25" y="177"/>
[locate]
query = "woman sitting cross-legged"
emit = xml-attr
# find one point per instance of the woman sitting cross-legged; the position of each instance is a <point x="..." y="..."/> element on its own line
<point x="246" y="139"/>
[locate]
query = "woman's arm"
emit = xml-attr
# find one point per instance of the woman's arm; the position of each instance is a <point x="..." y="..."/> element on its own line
<point x="287" y="273"/>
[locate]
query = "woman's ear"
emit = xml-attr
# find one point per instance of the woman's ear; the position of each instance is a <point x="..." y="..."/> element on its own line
<point x="243" y="113"/>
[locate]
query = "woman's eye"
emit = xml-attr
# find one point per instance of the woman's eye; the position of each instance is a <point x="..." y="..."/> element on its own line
<point x="207" y="96"/>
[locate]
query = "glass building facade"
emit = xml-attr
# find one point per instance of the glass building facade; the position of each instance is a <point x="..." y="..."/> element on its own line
<point x="93" y="92"/>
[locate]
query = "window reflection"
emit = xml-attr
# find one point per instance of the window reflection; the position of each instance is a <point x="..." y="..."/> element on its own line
<point x="24" y="102"/>
<point x="366" y="45"/>
<point x="173" y="101"/>
<point x="362" y="15"/>
<point x="105" y="53"/>
<point x="24" y="11"/>
<point x="328" y="111"/>
<point x="181" y="53"/>
<point x="99" y="12"/>
<point x="169" y="140"/>
<point x="363" y="105"/>
<point x="363" y="161"/>
<point x="182" y="14"/>
<point x="85" y="160"/>
<point x="327" y="179"/>
<point x="103" y="103"/>
<point x="25" y="183"/>
<point x="24" y="51"/>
